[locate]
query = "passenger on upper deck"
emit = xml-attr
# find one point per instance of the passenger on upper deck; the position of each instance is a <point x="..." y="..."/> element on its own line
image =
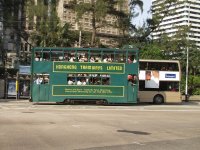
<point x="92" y="59"/>
<point x="105" y="59"/>
<point x="72" y="59"/>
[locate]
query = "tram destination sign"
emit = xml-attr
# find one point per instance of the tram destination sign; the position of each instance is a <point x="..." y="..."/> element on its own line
<point x="67" y="67"/>
<point x="91" y="91"/>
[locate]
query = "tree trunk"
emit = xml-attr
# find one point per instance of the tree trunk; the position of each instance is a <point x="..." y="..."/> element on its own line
<point x="93" y="25"/>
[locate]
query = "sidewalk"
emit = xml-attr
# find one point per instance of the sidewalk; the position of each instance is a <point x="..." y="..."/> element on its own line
<point x="194" y="98"/>
<point x="14" y="100"/>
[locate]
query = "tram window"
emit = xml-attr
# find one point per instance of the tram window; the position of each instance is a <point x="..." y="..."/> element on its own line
<point x="46" y="55"/>
<point x="66" y="56"/>
<point x="131" y="57"/>
<point x="82" y="79"/>
<point x="105" y="79"/>
<point x="82" y="56"/>
<point x="57" y="55"/>
<point x="120" y="57"/>
<point x="95" y="56"/>
<point x="88" y="79"/>
<point x="108" y="56"/>
<point x="72" y="56"/>
<point x="41" y="78"/>
<point x="71" y="79"/>
<point x="46" y="78"/>
<point x="95" y="79"/>
<point x="38" y="56"/>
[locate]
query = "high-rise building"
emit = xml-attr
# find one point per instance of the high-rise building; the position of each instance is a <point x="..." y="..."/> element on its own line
<point x="185" y="13"/>
<point x="106" y="34"/>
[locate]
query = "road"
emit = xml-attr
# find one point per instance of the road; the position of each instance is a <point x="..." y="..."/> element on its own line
<point x="30" y="126"/>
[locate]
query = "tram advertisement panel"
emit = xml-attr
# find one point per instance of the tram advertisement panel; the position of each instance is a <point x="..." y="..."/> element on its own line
<point x="116" y="68"/>
<point x="108" y="91"/>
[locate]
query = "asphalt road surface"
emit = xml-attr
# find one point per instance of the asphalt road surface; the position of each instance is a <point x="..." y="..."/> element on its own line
<point x="30" y="126"/>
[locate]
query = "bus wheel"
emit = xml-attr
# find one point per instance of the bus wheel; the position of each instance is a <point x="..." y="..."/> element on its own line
<point x="158" y="99"/>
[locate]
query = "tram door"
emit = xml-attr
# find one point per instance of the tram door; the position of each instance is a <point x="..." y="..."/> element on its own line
<point x="41" y="89"/>
<point x="131" y="89"/>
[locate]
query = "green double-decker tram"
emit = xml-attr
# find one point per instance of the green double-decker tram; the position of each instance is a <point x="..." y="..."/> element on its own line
<point x="84" y="74"/>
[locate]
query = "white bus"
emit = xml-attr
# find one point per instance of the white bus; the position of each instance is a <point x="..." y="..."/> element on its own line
<point x="159" y="81"/>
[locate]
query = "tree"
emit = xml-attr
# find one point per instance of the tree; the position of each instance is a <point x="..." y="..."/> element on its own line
<point x="47" y="29"/>
<point x="99" y="10"/>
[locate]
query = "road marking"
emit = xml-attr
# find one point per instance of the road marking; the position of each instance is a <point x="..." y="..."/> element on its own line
<point x="138" y="143"/>
<point x="76" y="126"/>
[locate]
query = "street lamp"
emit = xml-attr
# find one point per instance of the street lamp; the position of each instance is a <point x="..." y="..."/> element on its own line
<point x="187" y="59"/>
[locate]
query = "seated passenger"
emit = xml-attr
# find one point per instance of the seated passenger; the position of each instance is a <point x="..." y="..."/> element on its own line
<point x="98" y="59"/>
<point x="163" y="68"/>
<point x="79" y="82"/>
<point x="109" y="59"/>
<point x="71" y="59"/>
<point x="39" y="80"/>
<point x="70" y="82"/>
<point x="81" y="58"/>
<point x="83" y="82"/>
<point x="105" y="59"/>
<point x="37" y="59"/>
<point x="129" y="60"/>
<point x="60" y="58"/>
<point x="92" y="59"/>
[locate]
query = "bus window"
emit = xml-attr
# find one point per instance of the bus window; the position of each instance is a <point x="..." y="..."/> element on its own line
<point x="173" y="67"/>
<point x="153" y="66"/>
<point x="143" y="66"/>
<point x="169" y="86"/>
<point x="120" y="56"/>
<point x="57" y="55"/>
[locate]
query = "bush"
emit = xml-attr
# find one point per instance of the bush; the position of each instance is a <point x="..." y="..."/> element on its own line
<point x="193" y="85"/>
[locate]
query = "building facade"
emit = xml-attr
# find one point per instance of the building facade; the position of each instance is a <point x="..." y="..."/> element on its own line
<point x="185" y="13"/>
<point x="106" y="34"/>
<point x="13" y="51"/>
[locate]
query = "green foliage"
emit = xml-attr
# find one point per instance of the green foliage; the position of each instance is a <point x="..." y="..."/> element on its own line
<point x="98" y="10"/>
<point x="193" y="85"/>
<point x="151" y="51"/>
<point x="48" y="30"/>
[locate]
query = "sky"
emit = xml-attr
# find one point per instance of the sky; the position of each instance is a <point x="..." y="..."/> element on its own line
<point x="142" y="17"/>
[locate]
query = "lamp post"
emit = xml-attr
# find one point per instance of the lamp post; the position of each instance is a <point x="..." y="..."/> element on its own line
<point x="187" y="59"/>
